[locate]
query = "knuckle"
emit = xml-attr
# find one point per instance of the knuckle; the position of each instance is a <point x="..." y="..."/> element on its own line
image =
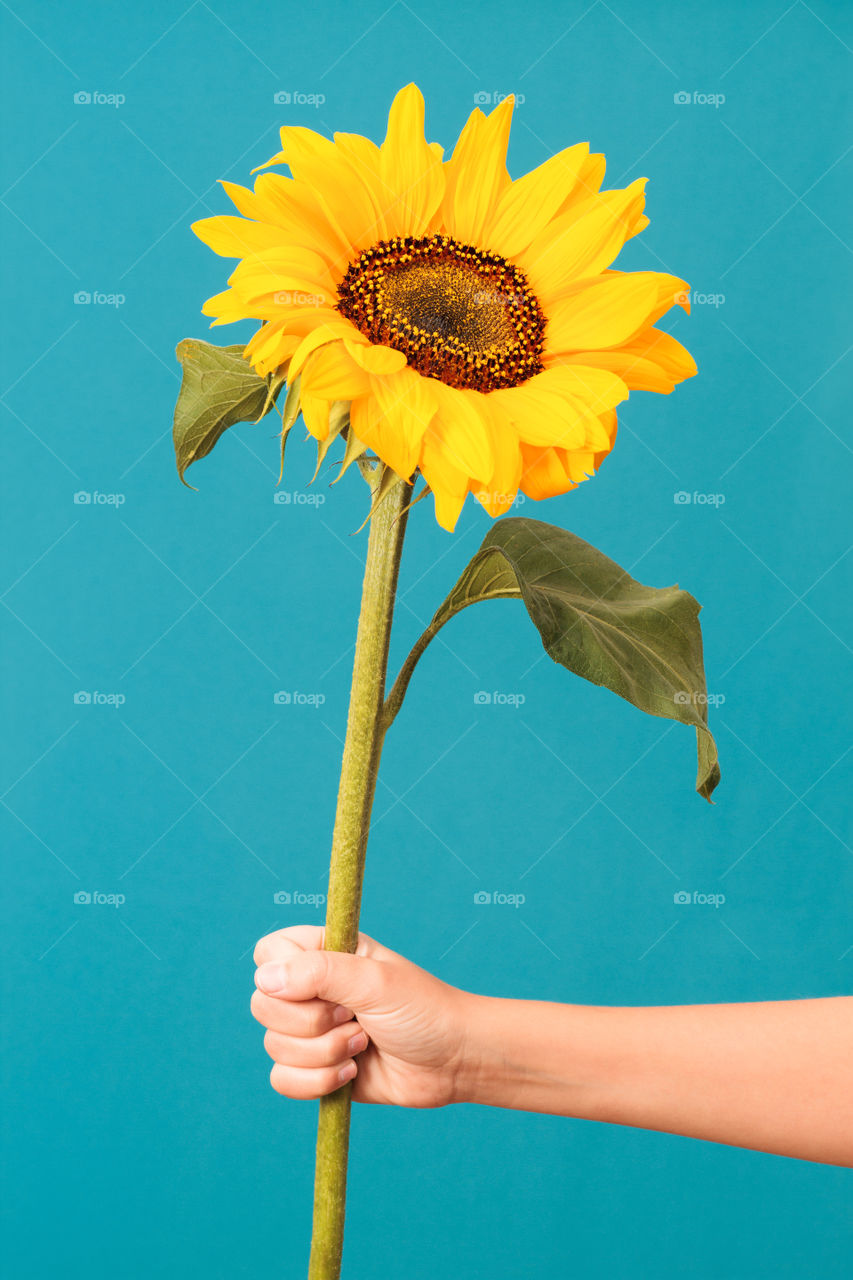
<point x="262" y="948"/>
<point x="316" y="1020"/>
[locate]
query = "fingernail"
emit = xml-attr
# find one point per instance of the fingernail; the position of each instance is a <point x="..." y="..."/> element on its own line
<point x="347" y="1072"/>
<point x="341" y="1014"/>
<point x="357" y="1043"/>
<point x="271" y="978"/>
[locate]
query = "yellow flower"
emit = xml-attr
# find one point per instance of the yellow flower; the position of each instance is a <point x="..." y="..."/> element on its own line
<point x="471" y="321"/>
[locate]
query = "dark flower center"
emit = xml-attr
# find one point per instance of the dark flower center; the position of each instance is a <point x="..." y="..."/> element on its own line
<point x="455" y="312"/>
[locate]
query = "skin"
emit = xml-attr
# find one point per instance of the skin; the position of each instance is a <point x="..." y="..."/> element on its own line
<point x="775" y="1076"/>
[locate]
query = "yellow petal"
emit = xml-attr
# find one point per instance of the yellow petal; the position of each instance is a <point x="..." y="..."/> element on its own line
<point x="661" y="349"/>
<point x="366" y="160"/>
<point x="411" y="172"/>
<point x="542" y="416"/>
<point x="298" y="144"/>
<point x="583" y="241"/>
<point x="345" y="201"/>
<point x="283" y="270"/>
<point x="464" y="430"/>
<point x="609" y="310"/>
<point x="244" y="200"/>
<point x="332" y="374"/>
<point x="268" y="349"/>
<point x="295" y="208"/>
<point x="527" y="206"/>
<point x="544" y="473"/>
<point x="447" y="480"/>
<point x="580" y="464"/>
<point x="589" y="181"/>
<point x="336" y="330"/>
<point x="315" y="414"/>
<point x="375" y="359"/>
<point x="476" y="173"/>
<point x="499" y="494"/>
<point x="393" y="419"/>
<point x="599" y="389"/>
<point x="226" y="306"/>
<point x="236" y="237"/>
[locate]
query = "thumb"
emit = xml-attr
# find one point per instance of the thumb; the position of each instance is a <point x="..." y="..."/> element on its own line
<point x="353" y="981"/>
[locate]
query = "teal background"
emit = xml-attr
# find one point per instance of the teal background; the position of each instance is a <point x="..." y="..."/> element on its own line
<point x="143" y="1138"/>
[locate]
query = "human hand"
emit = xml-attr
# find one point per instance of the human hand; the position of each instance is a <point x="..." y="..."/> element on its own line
<point x="373" y="1017"/>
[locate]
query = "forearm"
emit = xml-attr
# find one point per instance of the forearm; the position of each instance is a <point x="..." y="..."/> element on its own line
<point x="776" y="1077"/>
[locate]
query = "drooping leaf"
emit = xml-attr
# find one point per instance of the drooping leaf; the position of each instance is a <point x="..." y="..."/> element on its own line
<point x="219" y="388"/>
<point x="643" y="643"/>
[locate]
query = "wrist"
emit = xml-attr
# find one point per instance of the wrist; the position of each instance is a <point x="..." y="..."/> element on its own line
<point x="534" y="1056"/>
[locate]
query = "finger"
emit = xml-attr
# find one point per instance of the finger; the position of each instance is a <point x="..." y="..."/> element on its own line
<point x="297" y="1018"/>
<point x="284" y="941"/>
<point x="309" y="937"/>
<point x="354" y="981"/>
<point x="306" y="1083"/>
<point x="328" y="1050"/>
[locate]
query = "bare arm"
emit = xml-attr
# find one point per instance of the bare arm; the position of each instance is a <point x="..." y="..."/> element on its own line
<point x="776" y="1076"/>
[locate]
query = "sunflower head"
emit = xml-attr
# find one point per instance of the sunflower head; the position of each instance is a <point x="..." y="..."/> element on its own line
<point x="472" y="323"/>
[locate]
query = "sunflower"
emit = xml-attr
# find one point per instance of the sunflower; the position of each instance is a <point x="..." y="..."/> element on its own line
<point x="470" y="322"/>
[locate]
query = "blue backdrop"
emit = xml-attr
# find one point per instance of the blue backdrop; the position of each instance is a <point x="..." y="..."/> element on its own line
<point x="150" y="771"/>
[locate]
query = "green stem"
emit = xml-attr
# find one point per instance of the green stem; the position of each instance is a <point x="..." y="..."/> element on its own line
<point x="359" y="769"/>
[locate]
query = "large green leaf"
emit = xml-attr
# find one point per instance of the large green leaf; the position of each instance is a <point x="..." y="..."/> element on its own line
<point x="219" y="389"/>
<point x="643" y="643"/>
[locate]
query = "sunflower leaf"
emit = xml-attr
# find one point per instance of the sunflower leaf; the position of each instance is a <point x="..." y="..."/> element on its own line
<point x="643" y="643"/>
<point x="219" y="388"/>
